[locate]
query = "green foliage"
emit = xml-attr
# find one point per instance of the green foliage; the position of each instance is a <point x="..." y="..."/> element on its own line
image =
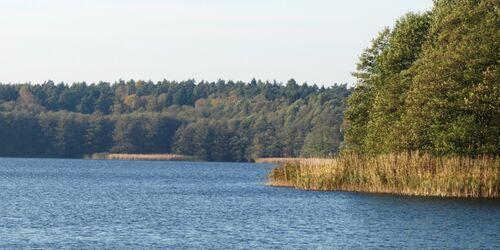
<point x="431" y="83"/>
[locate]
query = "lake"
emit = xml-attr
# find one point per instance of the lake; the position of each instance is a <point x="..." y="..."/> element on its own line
<point x="56" y="203"/>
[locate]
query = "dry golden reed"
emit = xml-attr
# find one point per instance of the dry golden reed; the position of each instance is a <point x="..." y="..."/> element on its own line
<point x="404" y="174"/>
<point x="142" y="157"/>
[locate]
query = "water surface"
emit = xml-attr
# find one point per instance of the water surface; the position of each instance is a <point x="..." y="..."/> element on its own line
<point x="47" y="203"/>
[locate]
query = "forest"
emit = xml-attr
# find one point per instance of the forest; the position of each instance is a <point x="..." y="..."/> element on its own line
<point x="430" y="83"/>
<point x="214" y="121"/>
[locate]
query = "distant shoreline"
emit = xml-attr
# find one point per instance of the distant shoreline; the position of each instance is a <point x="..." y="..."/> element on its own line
<point x="140" y="157"/>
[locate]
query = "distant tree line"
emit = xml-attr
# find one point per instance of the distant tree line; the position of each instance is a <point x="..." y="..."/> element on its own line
<point x="431" y="83"/>
<point x="218" y="121"/>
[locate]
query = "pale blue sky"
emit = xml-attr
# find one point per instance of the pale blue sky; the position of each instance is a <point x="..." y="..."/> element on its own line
<point x="314" y="41"/>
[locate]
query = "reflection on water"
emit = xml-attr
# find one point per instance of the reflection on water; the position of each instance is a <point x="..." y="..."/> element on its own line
<point x="47" y="203"/>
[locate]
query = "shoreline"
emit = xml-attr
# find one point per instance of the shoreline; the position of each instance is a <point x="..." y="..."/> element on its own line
<point x="384" y="193"/>
<point x="139" y="157"/>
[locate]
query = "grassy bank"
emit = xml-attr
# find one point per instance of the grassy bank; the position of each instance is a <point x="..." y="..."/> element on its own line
<point x="403" y="174"/>
<point x="140" y="157"/>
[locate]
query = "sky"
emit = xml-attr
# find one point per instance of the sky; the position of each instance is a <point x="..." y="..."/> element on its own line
<point x="313" y="41"/>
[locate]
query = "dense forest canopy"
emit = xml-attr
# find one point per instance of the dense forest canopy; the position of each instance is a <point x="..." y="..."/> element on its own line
<point x="431" y="83"/>
<point x="220" y="121"/>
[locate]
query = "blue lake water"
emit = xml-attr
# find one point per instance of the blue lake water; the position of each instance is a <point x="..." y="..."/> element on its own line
<point x="47" y="203"/>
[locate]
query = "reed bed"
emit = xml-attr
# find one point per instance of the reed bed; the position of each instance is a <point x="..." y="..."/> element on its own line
<point x="281" y="160"/>
<point x="141" y="157"/>
<point x="412" y="174"/>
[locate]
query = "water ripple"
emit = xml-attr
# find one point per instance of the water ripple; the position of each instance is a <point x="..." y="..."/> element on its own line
<point x="180" y="205"/>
